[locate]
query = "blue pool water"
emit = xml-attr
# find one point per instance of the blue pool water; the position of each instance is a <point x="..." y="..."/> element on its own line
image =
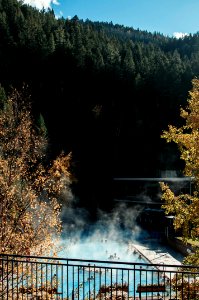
<point x="100" y="250"/>
<point x="84" y="282"/>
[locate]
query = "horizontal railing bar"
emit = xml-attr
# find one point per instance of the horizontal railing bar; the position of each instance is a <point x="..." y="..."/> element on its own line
<point x="135" y="266"/>
<point x="58" y="259"/>
<point x="108" y="263"/>
<point x="78" y="279"/>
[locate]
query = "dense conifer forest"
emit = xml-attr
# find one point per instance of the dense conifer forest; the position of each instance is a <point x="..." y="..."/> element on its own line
<point x="106" y="92"/>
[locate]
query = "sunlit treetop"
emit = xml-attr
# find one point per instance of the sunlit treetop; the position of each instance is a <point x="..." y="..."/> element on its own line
<point x="185" y="207"/>
<point x="29" y="190"/>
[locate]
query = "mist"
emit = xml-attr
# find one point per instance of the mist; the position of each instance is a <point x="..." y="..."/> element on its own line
<point x="106" y="239"/>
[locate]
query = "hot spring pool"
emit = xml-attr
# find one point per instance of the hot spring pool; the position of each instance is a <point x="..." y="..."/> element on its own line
<point x="104" y="249"/>
<point x="84" y="282"/>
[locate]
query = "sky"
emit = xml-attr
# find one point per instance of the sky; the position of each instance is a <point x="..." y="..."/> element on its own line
<point x="169" y="17"/>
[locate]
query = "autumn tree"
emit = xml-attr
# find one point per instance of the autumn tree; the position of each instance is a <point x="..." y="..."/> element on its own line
<point x="185" y="207"/>
<point x="30" y="187"/>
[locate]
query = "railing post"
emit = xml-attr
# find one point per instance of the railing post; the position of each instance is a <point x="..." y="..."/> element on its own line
<point x="77" y="279"/>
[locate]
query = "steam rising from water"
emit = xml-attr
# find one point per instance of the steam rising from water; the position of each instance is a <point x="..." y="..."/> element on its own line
<point x="105" y="239"/>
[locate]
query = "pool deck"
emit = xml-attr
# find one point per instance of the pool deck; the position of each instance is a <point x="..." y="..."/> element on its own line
<point x="157" y="253"/>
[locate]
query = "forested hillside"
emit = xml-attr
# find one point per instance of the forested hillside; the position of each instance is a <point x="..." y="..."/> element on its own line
<point x="106" y="92"/>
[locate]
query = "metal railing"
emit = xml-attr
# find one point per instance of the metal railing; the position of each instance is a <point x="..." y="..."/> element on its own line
<point x="31" y="277"/>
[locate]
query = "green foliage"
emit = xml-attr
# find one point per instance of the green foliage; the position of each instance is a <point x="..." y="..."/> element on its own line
<point x="138" y="80"/>
<point x="128" y="49"/>
<point x="42" y="126"/>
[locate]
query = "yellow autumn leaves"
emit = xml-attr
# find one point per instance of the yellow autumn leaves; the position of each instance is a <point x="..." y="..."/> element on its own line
<point x="29" y="192"/>
<point x="185" y="207"/>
